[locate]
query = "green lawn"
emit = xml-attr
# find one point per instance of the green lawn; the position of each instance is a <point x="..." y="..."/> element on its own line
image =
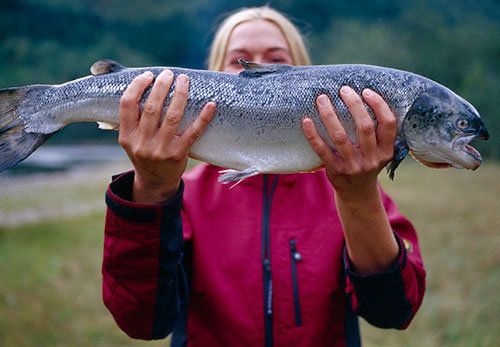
<point x="51" y="238"/>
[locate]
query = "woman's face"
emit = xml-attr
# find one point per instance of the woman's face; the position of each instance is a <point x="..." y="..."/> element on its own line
<point x="257" y="41"/>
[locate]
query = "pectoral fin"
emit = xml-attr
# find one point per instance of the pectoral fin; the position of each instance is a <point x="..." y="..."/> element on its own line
<point x="400" y="152"/>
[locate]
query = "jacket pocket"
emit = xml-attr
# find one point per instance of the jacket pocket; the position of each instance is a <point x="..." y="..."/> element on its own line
<point x="295" y="257"/>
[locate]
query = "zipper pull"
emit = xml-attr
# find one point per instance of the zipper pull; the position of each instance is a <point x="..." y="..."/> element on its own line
<point x="296" y="255"/>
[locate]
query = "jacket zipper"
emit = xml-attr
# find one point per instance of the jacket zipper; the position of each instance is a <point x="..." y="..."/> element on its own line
<point x="266" y="259"/>
<point x="296" y="257"/>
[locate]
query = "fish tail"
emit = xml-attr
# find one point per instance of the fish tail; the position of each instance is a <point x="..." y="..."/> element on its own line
<point x="16" y="143"/>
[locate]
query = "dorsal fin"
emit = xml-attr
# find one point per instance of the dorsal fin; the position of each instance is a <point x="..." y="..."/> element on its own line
<point x="105" y="66"/>
<point x="257" y="70"/>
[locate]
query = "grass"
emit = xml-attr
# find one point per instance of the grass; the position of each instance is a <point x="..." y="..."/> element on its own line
<point x="50" y="293"/>
<point x="51" y="253"/>
<point x="457" y="219"/>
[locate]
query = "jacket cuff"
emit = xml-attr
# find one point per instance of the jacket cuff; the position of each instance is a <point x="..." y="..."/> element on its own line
<point x="119" y="201"/>
<point x="380" y="297"/>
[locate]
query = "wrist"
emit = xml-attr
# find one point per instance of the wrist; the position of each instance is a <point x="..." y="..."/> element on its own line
<point x="153" y="192"/>
<point x="357" y="194"/>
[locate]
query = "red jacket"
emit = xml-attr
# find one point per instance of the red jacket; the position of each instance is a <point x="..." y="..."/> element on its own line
<point x="265" y="263"/>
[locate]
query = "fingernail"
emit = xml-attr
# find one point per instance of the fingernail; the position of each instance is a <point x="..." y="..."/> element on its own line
<point x="147" y="74"/>
<point x="346" y="90"/>
<point x="166" y="73"/>
<point x="307" y="126"/>
<point x="182" y="79"/>
<point x="211" y="105"/>
<point x="322" y="100"/>
<point x="368" y="93"/>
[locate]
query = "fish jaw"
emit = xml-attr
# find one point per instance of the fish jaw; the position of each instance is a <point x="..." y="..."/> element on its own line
<point x="458" y="154"/>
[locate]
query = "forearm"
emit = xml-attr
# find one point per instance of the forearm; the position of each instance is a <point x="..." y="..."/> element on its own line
<point x="369" y="237"/>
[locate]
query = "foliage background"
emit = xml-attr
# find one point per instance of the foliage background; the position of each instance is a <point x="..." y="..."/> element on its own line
<point x="456" y="43"/>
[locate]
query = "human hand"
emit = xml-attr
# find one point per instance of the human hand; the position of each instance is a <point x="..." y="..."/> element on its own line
<point x="353" y="168"/>
<point x="158" y="154"/>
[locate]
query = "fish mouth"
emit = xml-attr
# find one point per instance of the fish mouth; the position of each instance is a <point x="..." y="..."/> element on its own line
<point x="473" y="153"/>
<point x="460" y="155"/>
<point x="462" y="145"/>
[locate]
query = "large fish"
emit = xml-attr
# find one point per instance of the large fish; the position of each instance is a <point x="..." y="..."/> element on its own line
<point x="257" y="125"/>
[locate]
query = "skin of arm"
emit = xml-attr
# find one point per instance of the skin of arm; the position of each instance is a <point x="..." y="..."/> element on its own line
<point x="353" y="170"/>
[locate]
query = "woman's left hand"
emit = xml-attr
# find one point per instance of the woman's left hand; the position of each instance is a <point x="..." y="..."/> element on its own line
<point x="353" y="168"/>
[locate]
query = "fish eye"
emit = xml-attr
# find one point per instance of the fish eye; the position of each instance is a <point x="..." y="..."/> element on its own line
<point x="463" y="124"/>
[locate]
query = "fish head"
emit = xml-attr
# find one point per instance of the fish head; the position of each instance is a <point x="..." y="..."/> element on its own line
<point x="438" y="128"/>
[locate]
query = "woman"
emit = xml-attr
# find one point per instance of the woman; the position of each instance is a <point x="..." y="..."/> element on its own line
<point x="279" y="259"/>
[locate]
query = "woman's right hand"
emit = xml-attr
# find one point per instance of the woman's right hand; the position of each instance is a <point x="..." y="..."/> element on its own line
<point x="158" y="154"/>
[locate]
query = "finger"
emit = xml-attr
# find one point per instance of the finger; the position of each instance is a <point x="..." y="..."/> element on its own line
<point x="153" y="108"/>
<point x="387" y="122"/>
<point x="365" y="126"/>
<point x="195" y="130"/>
<point x="319" y="145"/>
<point x="128" y="112"/>
<point x="175" y="110"/>
<point x="334" y="127"/>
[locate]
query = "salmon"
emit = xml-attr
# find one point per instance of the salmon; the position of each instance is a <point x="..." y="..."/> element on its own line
<point x="257" y="124"/>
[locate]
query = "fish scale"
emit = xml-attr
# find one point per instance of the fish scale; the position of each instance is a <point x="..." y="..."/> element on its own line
<point x="257" y="124"/>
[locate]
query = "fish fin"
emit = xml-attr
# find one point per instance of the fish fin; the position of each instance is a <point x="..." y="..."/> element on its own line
<point x="16" y="143"/>
<point x="229" y="175"/>
<point x="105" y="66"/>
<point x="400" y="152"/>
<point x="108" y="126"/>
<point x="257" y="70"/>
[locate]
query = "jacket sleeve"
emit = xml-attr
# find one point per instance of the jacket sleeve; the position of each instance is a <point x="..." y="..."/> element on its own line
<point x="144" y="282"/>
<point x="390" y="299"/>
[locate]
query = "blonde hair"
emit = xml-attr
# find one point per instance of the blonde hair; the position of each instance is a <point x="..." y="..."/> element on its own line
<point x="292" y="35"/>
